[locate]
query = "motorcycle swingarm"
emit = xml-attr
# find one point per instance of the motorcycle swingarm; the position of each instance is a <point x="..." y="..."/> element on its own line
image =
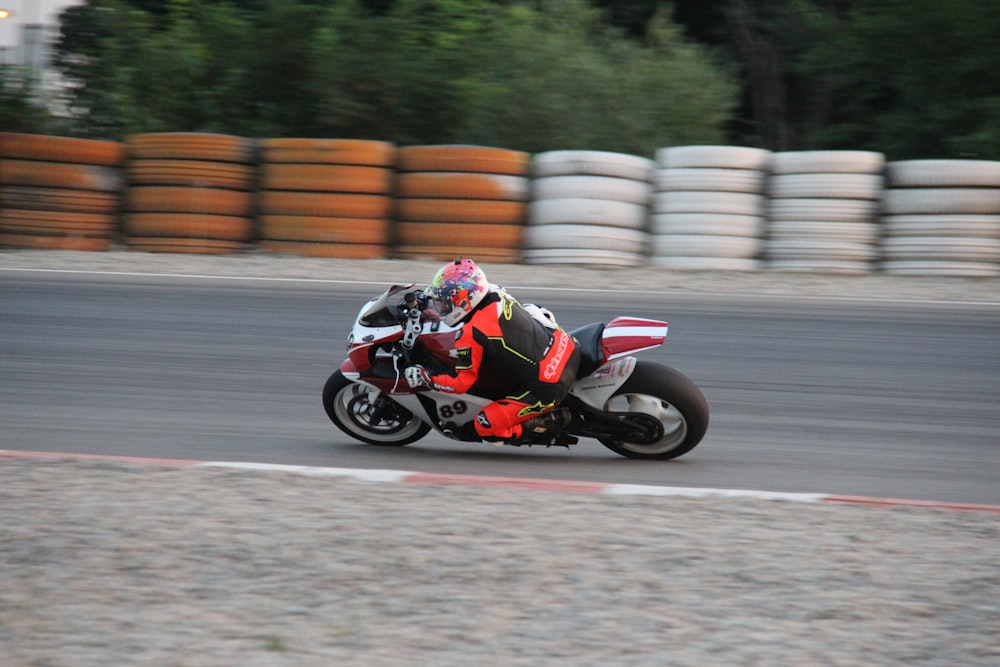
<point x="616" y="426"/>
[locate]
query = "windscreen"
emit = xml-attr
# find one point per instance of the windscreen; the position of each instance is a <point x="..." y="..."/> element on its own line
<point x="384" y="311"/>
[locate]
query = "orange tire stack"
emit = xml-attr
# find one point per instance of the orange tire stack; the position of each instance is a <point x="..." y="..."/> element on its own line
<point x="461" y="201"/>
<point x="58" y="193"/>
<point x="189" y="192"/>
<point x="326" y="197"/>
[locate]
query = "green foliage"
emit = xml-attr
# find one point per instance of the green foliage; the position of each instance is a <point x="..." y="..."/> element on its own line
<point x="562" y="79"/>
<point x="395" y="76"/>
<point x="912" y="78"/>
<point x="20" y="108"/>
<point x="530" y="75"/>
<point x="139" y="72"/>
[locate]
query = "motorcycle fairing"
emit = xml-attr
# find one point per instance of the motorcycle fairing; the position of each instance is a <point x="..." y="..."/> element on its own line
<point x="429" y="406"/>
<point x="595" y="389"/>
<point x="370" y="355"/>
<point x="623" y="336"/>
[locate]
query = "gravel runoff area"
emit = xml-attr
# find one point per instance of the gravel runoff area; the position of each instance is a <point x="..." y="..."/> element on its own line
<point x="115" y="563"/>
<point x="119" y="563"/>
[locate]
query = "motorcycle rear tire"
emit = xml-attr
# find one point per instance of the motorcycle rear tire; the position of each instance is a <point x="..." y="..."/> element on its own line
<point x="670" y="396"/>
<point x="346" y="405"/>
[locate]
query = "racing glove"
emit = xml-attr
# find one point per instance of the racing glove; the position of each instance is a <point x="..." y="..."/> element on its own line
<point x="417" y="376"/>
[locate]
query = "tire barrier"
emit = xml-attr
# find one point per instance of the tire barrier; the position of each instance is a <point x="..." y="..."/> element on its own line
<point x="708" y="207"/>
<point x="326" y="197"/>
<point x="189" y="192"/>
<point x="588" y="208"/>
<point x="823" y="211"/>
<point x="712" y="208"/>
<point x="58" y="193"/>
<point x="942" y="217"/>
<point x="457" y="200"/>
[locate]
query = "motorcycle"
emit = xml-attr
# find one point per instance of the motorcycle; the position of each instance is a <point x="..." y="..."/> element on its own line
<point x="638" y="409"/>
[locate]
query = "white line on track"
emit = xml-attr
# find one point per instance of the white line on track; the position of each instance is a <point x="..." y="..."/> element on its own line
<point x="582" y="290"/>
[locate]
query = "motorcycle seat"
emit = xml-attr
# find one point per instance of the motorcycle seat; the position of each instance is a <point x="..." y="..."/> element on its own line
<point x="588" y="341"/>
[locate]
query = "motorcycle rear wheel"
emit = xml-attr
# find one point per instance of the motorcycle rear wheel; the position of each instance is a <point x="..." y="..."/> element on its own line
<point x="669" y="396"/>
<point x="352" y="406"/>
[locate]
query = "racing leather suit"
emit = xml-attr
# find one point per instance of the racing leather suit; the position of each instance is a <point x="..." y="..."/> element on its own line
<point x="540" y="361"/>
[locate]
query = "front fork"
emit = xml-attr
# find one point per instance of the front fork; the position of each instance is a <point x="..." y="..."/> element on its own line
<point x="382" y="407"/>
<point x="412" y="327"/>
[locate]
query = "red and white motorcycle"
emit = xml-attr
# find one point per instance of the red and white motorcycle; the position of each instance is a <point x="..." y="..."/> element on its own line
<point x="639" y="409"/>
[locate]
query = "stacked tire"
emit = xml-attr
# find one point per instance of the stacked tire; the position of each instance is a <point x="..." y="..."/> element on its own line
<point x="942" y="217"/>
<point x="326" y="197"/>
<point x="588" y="208"/>
<point x="460" y="201"/>
<point x="58" y="193"/>
<point x="708" y="207"/>
<point x="189" y="192"/>
<point x="823" y="211"/>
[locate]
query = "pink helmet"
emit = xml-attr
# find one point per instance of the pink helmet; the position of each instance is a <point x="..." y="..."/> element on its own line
<point x="457" y="289"/>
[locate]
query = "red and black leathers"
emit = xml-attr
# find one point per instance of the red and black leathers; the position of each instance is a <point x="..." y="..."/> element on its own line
<point x="542" y="362"/>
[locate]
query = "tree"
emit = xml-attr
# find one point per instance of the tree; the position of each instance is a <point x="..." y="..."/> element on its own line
<point x="398" y="75"/>
<point x="20" y="108"/>
<point x="914" y="79"/>
<point x="557" y="76"/>
<point x="632" y="16"/>
<point x="93" y="38"/>
<point x="530" y="75"/>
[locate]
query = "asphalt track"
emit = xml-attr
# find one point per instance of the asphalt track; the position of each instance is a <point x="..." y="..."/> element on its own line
<point x="857" y="397"/>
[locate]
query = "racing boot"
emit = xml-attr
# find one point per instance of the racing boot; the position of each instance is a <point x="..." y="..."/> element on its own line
<point x="464" y="433"/>
<point x="544" y="428"/>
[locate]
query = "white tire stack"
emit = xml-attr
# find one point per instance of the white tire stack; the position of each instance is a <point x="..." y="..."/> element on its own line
<point x="708" y="207"/>
<point x="823" y="211"/>
<point x="942" y="217"/>
<point x="588" y="208"/>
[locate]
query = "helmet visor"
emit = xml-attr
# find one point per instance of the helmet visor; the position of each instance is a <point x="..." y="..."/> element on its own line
<point x="441" y="305"/>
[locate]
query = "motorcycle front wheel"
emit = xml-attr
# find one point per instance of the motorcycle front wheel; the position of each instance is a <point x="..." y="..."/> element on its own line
<point x="368" y="415"/>
<point x="668" y="396"/>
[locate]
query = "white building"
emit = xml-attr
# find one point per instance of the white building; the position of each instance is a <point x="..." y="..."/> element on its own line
<point x="27" y="28"/>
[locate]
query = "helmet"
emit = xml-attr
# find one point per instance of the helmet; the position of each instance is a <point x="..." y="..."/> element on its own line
<point x="457" y="289"/>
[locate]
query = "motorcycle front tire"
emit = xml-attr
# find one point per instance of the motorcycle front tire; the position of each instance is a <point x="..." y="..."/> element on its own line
<point x="351" y="407"/>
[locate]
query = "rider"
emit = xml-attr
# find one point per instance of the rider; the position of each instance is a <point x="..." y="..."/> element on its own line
<point x="532" y="351"/>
